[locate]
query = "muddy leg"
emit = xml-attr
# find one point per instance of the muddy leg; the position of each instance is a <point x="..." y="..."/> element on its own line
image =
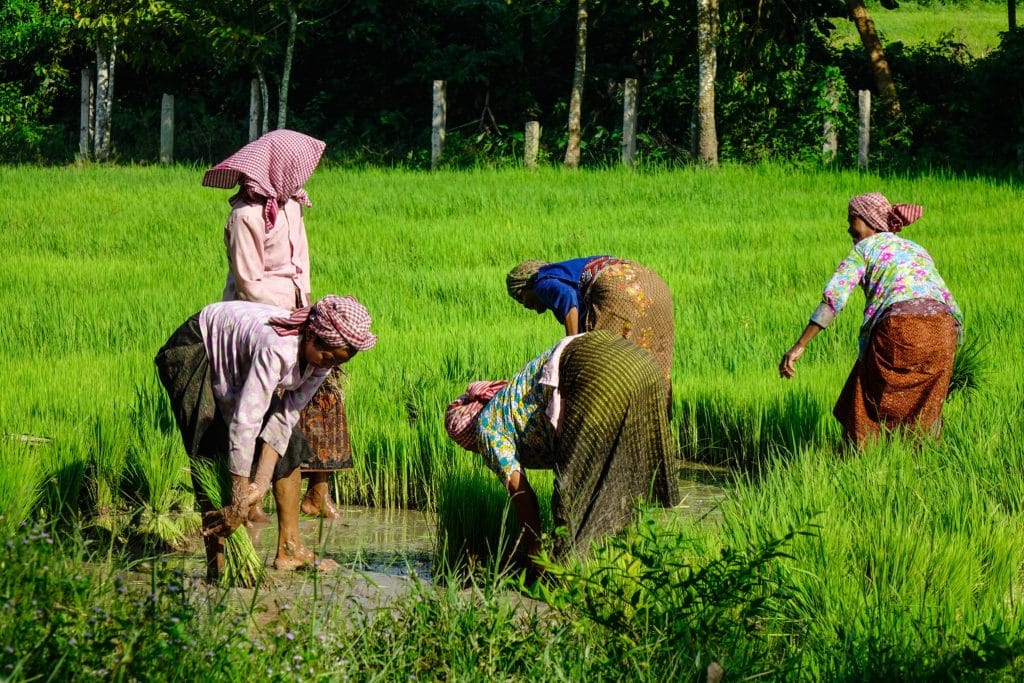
<point x="291" y="554"/>
<point x="317" y="502"/>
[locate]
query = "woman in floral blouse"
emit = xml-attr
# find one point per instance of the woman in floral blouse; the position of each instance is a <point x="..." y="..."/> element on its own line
<point x="910" y="330"/>
<point x="592" y="409"/>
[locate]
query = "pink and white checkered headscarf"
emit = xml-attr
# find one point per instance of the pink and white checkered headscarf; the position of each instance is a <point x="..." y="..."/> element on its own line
<point x="336" y="320"/>
<point x="878" y="213"/>
<point x="271" y="170"/>
<point x="460" y="419"/>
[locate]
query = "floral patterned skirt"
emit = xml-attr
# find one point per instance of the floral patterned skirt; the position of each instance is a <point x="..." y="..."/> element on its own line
<point x="633" y="302"/>
<point x="901" y="379"/>
<point x="325" y="425"/>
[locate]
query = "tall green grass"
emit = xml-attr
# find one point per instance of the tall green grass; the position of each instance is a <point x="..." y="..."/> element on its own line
<point x="917" y="557"/>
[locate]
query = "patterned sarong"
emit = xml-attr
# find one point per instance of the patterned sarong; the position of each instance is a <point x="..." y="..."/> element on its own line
<point x="614" y="447"/>
<point x="325" y="425"/>
<point x="902" y="378"/>
<point x="633" y="302"/>
<point x="185" y="373"/>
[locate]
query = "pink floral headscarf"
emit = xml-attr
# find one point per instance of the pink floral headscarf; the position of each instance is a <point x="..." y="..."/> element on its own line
<point x="271" y="170"/>
<point x="882" y="216"/>
<point x="460" y="419"/>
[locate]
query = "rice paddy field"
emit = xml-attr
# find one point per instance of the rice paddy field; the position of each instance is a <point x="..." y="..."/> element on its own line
<point x="905" y="562"/>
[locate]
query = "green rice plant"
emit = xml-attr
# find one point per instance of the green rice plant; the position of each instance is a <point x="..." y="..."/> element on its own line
<point x="969" y="367"/>
<point x="108" y="461"/>
<point x="19" y="484"/>
<point x="158" y="472"/>
<point x="242" y="564"/>
<point x="63" y="465"/>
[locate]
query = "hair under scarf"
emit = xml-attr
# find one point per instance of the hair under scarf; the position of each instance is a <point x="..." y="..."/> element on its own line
<point x="882" y="216"/>
<point x="336" y="320"/>
<point x="460" y="419"/>
<point x="271" y="170"/>
<point x="520" y="277"/>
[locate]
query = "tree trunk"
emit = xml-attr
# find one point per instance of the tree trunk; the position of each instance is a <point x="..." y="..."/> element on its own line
<point x="572" y="149"/>
<point x="105" y="60"/>
<point x="265" y="99"/>
<point x="85" y="133"/>
<point x="707" y="66"/>
<point x="1011" y="14"/>
<point x="286" y="71"/>
<point x="876" y="55"/>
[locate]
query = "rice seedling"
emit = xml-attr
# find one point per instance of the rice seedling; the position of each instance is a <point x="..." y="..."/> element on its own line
<point x="242" y="564"/>
<point x="19" y="492"/>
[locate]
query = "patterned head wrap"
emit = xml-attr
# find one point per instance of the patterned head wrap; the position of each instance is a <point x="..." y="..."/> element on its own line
<point x="336" y="320"/>
<point x="460" y="419"/>
<point x="520" y="277"/>
<point x="882" y="216"/>
<point x="271" y="170"/>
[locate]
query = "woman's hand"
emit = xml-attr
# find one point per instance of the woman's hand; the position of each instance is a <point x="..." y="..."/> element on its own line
<point x="244" y="495"/>
<point x="786" y="368"/>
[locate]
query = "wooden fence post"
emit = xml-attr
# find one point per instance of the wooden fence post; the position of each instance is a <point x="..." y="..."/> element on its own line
<point x="167" y="129"/>
<point x="85" y="130"/>
<point x="531" y="144"/>
<point x="254" y="109"/>
<point x="864" y="134"/>
<point x="830" y="143"/>
<point x="438" y="124"/>
<point x="629" y="123"/>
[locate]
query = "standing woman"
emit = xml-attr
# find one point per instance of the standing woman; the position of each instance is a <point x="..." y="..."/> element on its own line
<point x="268" y="263"/>
<point x="909" y="334"/>
<point x="237" y="374"/>
<point x="592" y="408"/>
<point x="602" y="293"/>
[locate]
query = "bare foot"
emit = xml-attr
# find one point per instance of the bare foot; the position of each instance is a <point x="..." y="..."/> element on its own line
<point x="256" y="517"/>
<point x="324" y="507"/>
<point x="302" y="558"/>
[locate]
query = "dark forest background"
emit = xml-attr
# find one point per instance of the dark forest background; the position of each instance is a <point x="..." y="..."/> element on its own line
<point x="362" y="71"/>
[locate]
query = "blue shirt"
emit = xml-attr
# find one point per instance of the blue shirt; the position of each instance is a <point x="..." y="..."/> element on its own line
<point x="558" y="285"/>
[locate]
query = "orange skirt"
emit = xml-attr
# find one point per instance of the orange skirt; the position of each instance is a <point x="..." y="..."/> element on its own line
<point x="901" y="380"/>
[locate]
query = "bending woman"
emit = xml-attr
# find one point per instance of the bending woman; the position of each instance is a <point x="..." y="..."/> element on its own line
<point x="268" y="263"/>
<point x="909" y="334"/>
<point x="602" y="293"/>
<point x="591" y="409"/>
<point x="237" y="375"/>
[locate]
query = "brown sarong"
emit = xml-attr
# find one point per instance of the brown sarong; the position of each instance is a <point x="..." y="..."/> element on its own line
<point x="614" y="447"/>
<point x="901" y="379"/>
<point x="633" y="302"/>
<point x="325" y="426"/>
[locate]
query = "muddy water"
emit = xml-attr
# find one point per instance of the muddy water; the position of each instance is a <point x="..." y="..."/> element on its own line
<point x="391" y="542"/>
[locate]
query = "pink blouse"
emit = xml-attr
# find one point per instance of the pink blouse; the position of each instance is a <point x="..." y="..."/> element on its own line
<point x="249" y="361"/>
<point x="267" y="267"/>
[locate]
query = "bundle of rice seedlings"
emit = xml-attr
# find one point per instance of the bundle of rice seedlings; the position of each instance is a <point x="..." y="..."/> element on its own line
<point x="160" y="467"/>
<point x="242" y="564"/>
<point x="969" y="367"/>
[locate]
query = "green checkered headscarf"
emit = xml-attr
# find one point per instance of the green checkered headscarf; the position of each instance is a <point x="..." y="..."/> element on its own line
<point x="522" y="276"/>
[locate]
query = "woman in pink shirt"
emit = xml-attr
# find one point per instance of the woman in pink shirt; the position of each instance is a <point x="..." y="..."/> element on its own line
<point x="237" y="375"/>
<point x="268" y="262"/>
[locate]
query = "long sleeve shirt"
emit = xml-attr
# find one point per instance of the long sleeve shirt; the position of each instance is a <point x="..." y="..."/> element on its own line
<point x="267" y="267"/>
<point x="890" y="270"/>
<point x="513" y="429"/>
<point x="249" y="362"/>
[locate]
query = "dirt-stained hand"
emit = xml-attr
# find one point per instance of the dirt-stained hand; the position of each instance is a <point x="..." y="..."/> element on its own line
<point x="786" y="367"/>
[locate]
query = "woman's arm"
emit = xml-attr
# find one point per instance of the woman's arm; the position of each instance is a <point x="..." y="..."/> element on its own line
<point x="244" y="494"/>
<point x="572" y="322"/>
<point x="524" y="500"/>
<point x="244" y="239"/>
<point x="786" y="368"/>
